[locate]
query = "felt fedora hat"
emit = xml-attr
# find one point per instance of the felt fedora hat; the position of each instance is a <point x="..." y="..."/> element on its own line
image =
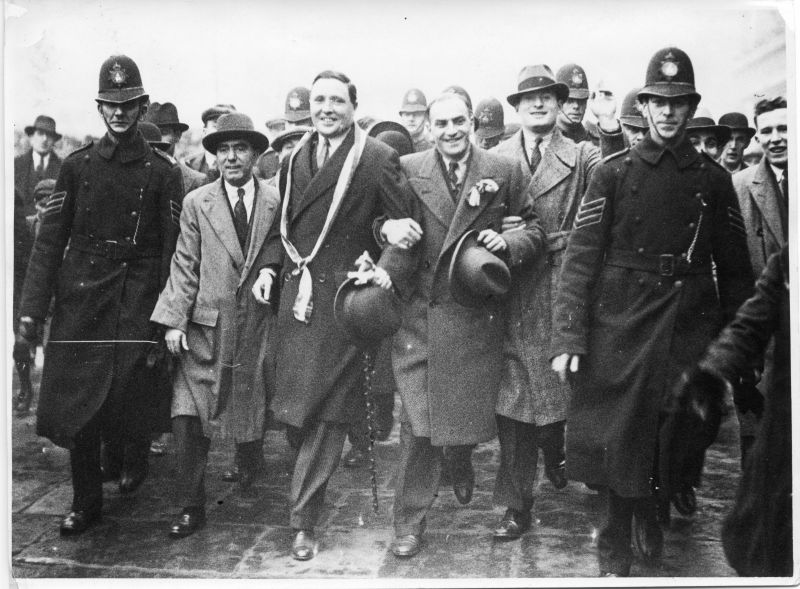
<point x="152" y="135"/>
<point x="537" y="77"/>
<point x="394" y="135"/>
<point x="476" y="274"/>
<point x="366" y="313"/>
<point x="164" y="115"/>
<point x="235" y="125"/>
<point x="737" y="122"/>
<point x="45" y="124"/>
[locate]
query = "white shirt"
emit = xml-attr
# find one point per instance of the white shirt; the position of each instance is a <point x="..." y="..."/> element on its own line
<point x="779" y="173"/>
<point x="335" y="142"/>
<point x="530" y="141"/>
<point x="249" y="195"/>
<point x="39" y="158"/>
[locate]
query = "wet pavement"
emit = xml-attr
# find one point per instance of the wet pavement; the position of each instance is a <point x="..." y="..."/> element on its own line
<point x="247" y="535"/>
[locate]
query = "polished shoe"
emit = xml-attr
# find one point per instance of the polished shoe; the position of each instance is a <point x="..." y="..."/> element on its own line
<point x="685" y="501"/>
<point x="132" y="476"/>
<point x="557" y="476"/>
<point x="304" y="546"/>
<point x="232" y="475"/>
<point x="463" y="476"/>
<point x="355" y="458"/>
<point x="648" y="537"/>
<point x="407" y="546"/>
<point x="188" y="522"/>
<point x="77" y="522"/>
<point x="513" y="525"/>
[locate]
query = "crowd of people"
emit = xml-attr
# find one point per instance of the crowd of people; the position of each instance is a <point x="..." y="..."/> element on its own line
<point x="557" y="283"/>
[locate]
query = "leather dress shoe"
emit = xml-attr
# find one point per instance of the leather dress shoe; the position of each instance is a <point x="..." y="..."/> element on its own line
<point x="304" y="546"/>
<point x="685" y="501"/>
<point x="132" y="476"/>
<point x="77" y="522"/>
<point x="463" y="476"/>
<point x="188" y="522"/>
<point x="513" y="525"/>
<point x="406" y="546"/>
<point x="232" y="475"/>
<point x="355" y="458"/>
<point x="647" y="536"/>
<point x="557" y="476"/>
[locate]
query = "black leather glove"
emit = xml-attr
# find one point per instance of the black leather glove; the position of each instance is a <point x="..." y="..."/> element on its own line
<point x="747" y="397"/>
<point x="27" y="329"/>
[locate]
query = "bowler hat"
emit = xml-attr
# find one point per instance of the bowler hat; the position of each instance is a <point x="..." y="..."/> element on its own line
<point x="216" y="111"/>
<point x="152" y="135"/>
<point x="669" y="74"/>
<point x="235" y="125"/>
<point x="737" y="122"/>
<point x="629" y="113"/>
<point x="574" y="77"/>
<point x="703" y="121"/>
<point x="295" y="133"/>
<point x="120" y="81"/>
<point x="489" y="116"/>
<point x="394" y="135"/>
<point x="44" y="188"/>
<point x="414" y="101"/>
<point x="298" y="104"/>
<point x="366" y="313"/>
<point x="461" y="92"/>
<point x="537" y="77"/>
<point x="45" y="124"/>
<point x="476" y="273"/>
<point x="164" y="115"/>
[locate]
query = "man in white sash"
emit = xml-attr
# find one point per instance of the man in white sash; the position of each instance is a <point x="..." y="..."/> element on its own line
<point x="334" y="186"/>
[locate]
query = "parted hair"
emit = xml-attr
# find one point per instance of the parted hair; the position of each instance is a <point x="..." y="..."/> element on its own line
<point x="334" y="75"/>
<point x="767" y="105"/>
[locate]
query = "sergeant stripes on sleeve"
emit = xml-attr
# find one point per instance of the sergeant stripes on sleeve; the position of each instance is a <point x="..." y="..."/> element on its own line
<point x="736" y="221"/>
<point x="54" y="204"/>
<point x="590" y="213"/>
<point x="175" y="212"/>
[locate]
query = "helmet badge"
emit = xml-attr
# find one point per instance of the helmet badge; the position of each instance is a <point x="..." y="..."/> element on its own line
<point x="577" y="77"/>
<point x="412" y="97"/>
<point x="668" y="66"/>
<point x="117" y="75"/>
<point x="294" y="101"/>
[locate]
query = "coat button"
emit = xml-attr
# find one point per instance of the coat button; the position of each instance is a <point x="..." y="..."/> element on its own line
<point x="641" y="281"/>
<point x="124" y="264"/>
<point x="628" y="160"/>
<point x="134" y="213"/>
<point x="640" y="250"/>
<point x="678" y="283"/>
<point x="634" y="188"/>
<point x="147" y="164"/>
<point x="692" y="225"/>
<point x="637" y="219"/>
<point x="699" y="195"/>
<point x="86" y="183"/>
<point x="127" y="239"/>
<point x="427" y="264"/>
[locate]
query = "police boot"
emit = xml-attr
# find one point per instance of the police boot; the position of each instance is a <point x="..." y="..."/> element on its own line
<point x="614" y="542"/>
<point x="647" y="535"/>
<point x="23" y="399"/>
<point x="134" y="465"/>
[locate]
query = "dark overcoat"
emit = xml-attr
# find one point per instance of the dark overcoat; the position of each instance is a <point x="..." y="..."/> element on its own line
<point x="447" y="358"/>
<point x="26" y="178"/>
<point x="103" y="252"/>
<point x="637" y="316"/>
<point x="208" y="297"/>
<point x="318" y="370"/>
<point x="529" y="390"/>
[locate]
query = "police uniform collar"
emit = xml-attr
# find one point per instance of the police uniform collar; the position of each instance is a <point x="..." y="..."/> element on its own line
<point x="128" y="151"/>
<point x="684" y="153"/>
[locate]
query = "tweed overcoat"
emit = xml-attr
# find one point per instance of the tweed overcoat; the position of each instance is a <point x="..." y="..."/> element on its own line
<point x="529" y="390"/>
<point x="208" y="297"/>
<point x="318" y="370"/>
<point x="103" y="252"/>
<point x="447" y="358"/>
<point x="637" y="316"/>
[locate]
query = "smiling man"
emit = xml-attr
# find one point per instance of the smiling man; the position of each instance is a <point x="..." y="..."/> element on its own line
<point x="638" y="302"/>
<point x="106" y="237"/>
<point x="334" y="186"/>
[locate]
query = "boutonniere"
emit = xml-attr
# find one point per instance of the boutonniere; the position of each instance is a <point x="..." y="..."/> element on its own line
<point x="481" y="187"/>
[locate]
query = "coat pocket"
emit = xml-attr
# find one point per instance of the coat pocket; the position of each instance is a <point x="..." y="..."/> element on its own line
<point x="202" y="342"/>
<point x="203" y="315"/>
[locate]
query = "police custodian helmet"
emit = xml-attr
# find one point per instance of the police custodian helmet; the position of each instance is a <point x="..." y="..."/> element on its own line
<point x="669" y="74"/>
<point x="120" y="80"/>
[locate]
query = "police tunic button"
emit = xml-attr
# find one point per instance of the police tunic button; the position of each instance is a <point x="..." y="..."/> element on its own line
<point x="699" y="195"/>
<point x="634" y="188"/>
<point x="127" y="239"/>
<point x="134" y="213"/>
<point x="124" y="264"/>
<point x="692" y="225"/>
<point x="87" y="157"/>
<point x="678" y="283"/>
<point x="86" y="183"/>
<point x="702" y="166"/>
<point x="637" y="219"/>
<point x="628" y="160"/>
<point x="641" y="281"/>
<point x="640" y="250"/>
<point x="147" y="164"/>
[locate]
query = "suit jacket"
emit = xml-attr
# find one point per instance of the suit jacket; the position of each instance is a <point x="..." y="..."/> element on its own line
<point x="759" y="198"/>
<point x="530" y="391"/>
<point x="319" y="371"/>
<point x="208" y="297"/>
<point x="192" y="179"/>
<point x="25" y="177"/>
<point x="447" y="358"/>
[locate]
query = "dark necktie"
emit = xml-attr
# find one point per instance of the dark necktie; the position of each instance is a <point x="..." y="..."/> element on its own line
<point x="452" y="177"/>
<point x="536" y="155"/>
<point x="326" y="151"/>
<point x="240" y="218"/>
<point x="785" y="203"/>
<point x="40" y="167"/>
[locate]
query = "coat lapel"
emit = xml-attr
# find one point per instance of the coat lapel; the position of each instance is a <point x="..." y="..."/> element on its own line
<point x="218" y="213"/>
<point x="432" y="190"/>
<point x="763" y="190"/>
<point x="465" y="214"/>
<point x="557" y="163"/>
<point x="263" y="214"/>
<point x="324" y="178"/>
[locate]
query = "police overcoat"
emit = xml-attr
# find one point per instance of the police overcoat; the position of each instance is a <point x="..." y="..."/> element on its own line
<point x="529" y="390"/>
<point x="638" y="301"/>
<point x="447" y="358"/>
<point x="318" y="370"/>
<point x="208" y="297"/>
<point x="103" y="251"/>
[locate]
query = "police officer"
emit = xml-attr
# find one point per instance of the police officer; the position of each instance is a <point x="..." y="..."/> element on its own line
<point x="413" y="116"/>
<point x="489" y="123"/>
<point x="117" y="203"/>
<point x="297" y="115"/>
<point x="570" y="119"/>
<point x="638" y="302"/>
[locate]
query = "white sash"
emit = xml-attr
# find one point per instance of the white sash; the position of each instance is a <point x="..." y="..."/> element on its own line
<point x="303" y="304"/>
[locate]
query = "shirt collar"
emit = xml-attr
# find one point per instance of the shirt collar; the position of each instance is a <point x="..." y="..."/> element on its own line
<point x="529" y="140"/>
<point x="233" y="191"/>
<point x="684" y="153"/>
<point x="778" y="172"/>
<point x="461" y="162"/>
<point x="334" y="141"/>
<point x="37" y="157"/>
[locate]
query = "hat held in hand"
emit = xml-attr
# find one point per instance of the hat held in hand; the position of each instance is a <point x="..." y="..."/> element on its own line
<point x="476" y="274"/>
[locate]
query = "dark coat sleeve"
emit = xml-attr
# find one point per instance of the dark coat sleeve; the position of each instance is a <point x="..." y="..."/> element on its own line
<point x="170" y="204"/>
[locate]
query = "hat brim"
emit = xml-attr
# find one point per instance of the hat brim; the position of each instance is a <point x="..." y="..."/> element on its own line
<point x="177" y="125"/>
<point x="638" y="122"/>
<point x="162" y="145"/>
<point x="258" y="140"/>
<point x="749" y="130"/>
<point x="30" y="129"/>
<point x="721" y="132"/>
<point x="489" y="132"/>
<point x="458" y="290"/>
<point x="412" y="108"/>
<point x="122" y="95"/>
<point x="280" y="140"/>
<point x="672" y="90"/>
<point x="296" y="116"/>
<point x="579" y="93"/>
<point x="562" y="92"/>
